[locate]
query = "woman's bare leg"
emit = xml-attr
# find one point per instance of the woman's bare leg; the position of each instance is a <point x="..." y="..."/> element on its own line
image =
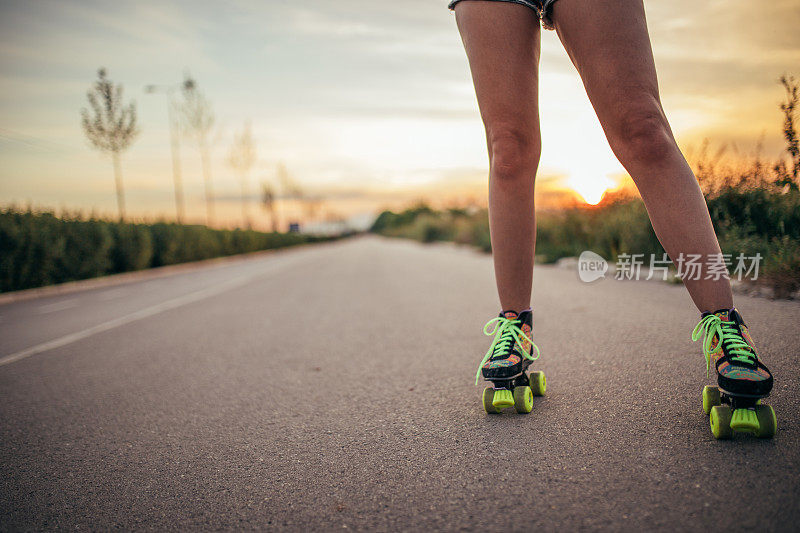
<point x="608" y="43"/>
<point x="502" y="44"/>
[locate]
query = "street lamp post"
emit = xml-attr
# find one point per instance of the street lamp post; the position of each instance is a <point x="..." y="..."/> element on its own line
<point x="168" y="91"/>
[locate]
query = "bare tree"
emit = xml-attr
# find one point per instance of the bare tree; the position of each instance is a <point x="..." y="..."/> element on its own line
<point x="291" y="190"/>
<point x="197" y="119"/>
<point x="110" y="126"/>
<point x="789" y="174"/>
<point x="175" y="145"/>
<point x="290" y="187"/>
<point x="312" y="206"/>
<point x="269" y="201"/>
<point x="241" y="159"/>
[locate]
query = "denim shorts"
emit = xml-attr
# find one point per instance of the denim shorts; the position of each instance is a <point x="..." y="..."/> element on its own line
<point x="543" y="8"/>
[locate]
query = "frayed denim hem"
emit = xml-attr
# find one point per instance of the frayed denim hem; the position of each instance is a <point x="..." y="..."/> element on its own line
<point x="543" y="8"/>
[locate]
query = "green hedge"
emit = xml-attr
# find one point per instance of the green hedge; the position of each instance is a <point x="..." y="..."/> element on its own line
<point x="39" y="248"/>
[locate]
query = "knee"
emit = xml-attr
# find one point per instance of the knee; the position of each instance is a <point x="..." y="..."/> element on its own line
<point x="642" y="135"/>
<point x="514" y="152"/>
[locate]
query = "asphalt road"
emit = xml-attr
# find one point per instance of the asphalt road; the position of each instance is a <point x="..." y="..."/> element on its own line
<point x="331" y="387"/>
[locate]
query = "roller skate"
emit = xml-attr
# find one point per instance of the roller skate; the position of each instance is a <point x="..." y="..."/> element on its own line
<point x="734" y="405"/>
<point x="504" y="365"/>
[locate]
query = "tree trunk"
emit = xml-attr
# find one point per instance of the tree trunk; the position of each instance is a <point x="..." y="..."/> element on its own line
<point x="176" y="159"/>
<point x="274" y="217"/>
<point x="207" y="179"/>
<point x="274" y="214"/>
<point x="118" y="181"/>
<point x="245" y="214"/>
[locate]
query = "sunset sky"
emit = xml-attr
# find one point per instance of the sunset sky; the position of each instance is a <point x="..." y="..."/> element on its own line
<point x="367" y="103"/>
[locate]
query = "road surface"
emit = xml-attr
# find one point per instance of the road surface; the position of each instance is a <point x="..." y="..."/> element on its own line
<point x="331" y="387"/>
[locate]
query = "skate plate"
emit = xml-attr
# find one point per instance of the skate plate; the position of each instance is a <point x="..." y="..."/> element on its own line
<point x="730" y="413"/>
<point x="517" y="392"/>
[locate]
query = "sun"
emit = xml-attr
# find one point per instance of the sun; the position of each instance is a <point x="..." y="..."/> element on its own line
<point x="591" y="195"/>
<point x="590" y="187"/>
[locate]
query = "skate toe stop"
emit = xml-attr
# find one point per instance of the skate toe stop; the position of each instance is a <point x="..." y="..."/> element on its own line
<point x="502" y="398"/>
<point x="745" y="421"/>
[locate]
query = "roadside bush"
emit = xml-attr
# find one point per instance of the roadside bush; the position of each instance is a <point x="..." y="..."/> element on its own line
<point x="38" y="248"/>
<point x="750" y="221"/>
<point x="86" y="252"/>
<point x="132" y="248"/>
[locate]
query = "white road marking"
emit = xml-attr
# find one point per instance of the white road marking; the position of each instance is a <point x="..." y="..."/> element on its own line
<point x="127" y="319"/>
<point x="58" y="306"/>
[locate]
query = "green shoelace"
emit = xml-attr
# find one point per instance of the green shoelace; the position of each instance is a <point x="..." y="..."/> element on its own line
<point x="728" y="333"/>
<point x="506" y="333"/>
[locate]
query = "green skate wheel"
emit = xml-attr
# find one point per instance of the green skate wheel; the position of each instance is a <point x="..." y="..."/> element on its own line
<point x="767" y="422"/>
<point x="720" y="420"/>
<point x="710" y="398"/>
<point x="488" y="397"/>
<point x="538" y="383"/>
<point x="523" y="399"/>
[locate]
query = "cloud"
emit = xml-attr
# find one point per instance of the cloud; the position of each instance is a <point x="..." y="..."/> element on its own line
<point x="365" y="94"/>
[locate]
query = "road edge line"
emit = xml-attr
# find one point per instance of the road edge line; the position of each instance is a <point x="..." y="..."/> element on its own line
<point x="126" y="319"/>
